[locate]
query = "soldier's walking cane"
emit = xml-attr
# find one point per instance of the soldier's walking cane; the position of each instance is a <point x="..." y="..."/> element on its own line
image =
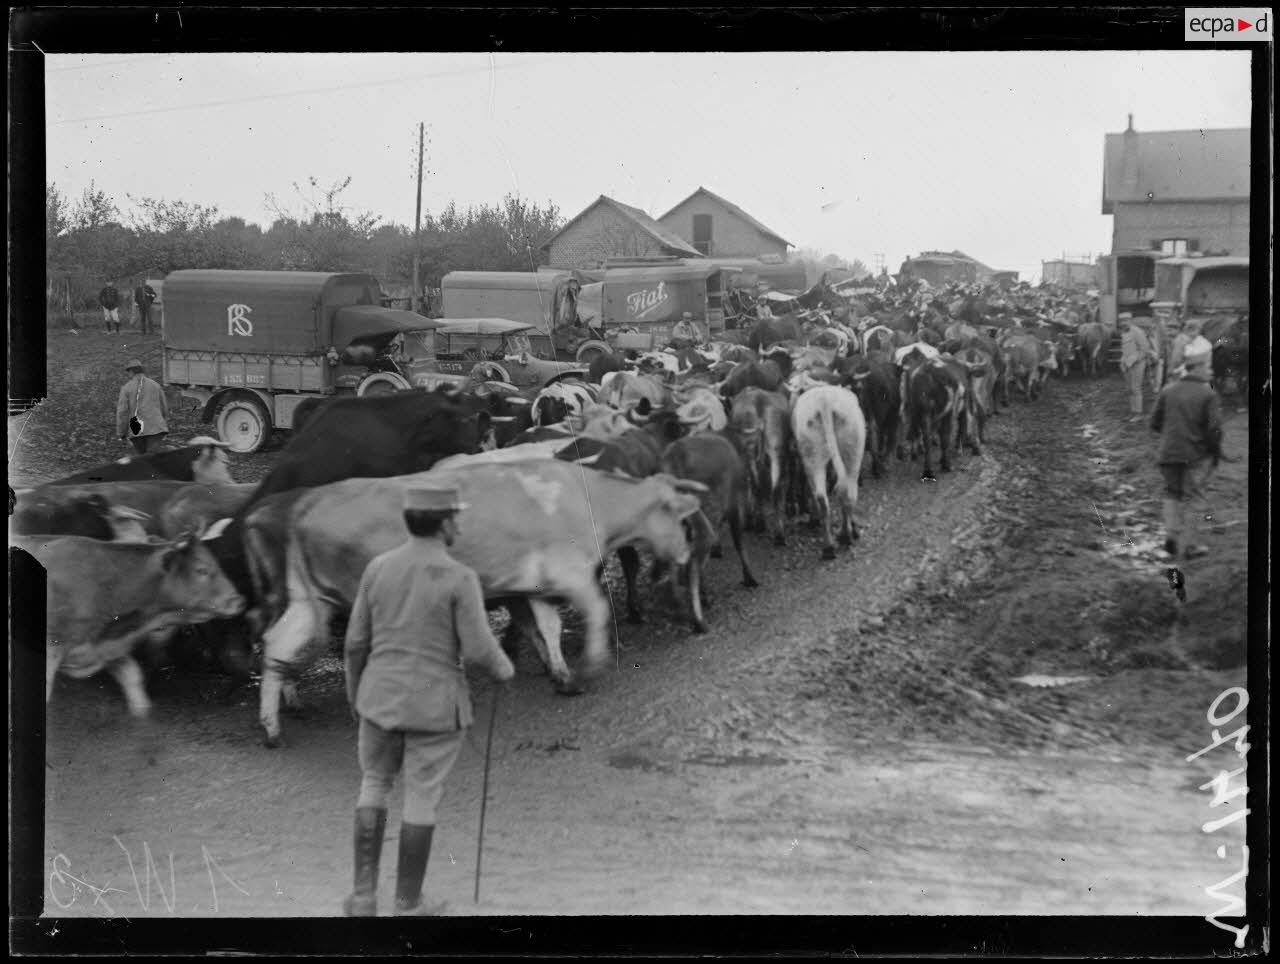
<point x="484" y="792"/>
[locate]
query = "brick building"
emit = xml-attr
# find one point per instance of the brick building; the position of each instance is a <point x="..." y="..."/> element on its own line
<point x="610" y="229"/>
<point x="1178" y="192"/>
<point x="719" y="228"/>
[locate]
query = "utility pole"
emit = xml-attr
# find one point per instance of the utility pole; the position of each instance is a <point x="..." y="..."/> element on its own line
<point x="416" y="301"/>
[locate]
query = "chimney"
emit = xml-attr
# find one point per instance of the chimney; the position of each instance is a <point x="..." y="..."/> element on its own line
<point x="1129" y="163"/>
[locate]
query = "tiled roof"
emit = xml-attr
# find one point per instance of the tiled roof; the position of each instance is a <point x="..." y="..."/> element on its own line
<point x="1178" y="166"/>
<point x="642" y="220"/>
<point x="736" y="210"/>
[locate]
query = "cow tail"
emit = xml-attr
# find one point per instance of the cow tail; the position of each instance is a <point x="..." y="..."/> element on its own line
<point x="829" y="431"/>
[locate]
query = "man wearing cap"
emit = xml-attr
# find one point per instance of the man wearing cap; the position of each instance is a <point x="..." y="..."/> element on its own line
<point x="1135" y="354"/>
<point x="417" y="615"/>
<point x="109" y="298"/>
<point x="143" y="297"/>
<point x="1178" y="347"/>
<point x="1188" y="417"/>
<point x="684" y="333"/>
<point x="142" y="411"/>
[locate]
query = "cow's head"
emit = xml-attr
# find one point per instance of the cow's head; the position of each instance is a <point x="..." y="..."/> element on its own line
<point x="603" y="421"/>
<point x="210" y="464"/>
<point x="193" y="579"/>
<point x="128" y="525"/>
<point x="661" y="522"/>
<point x="458" y="425"/>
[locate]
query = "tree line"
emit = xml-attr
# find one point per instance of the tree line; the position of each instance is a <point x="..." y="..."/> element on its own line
<point x="89" y="242"/>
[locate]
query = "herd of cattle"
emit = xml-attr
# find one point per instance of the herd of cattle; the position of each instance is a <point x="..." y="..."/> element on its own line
<point x="657" y="452"/>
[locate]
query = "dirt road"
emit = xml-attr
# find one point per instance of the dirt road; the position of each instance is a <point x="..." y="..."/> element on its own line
<point x="849" y="738"/>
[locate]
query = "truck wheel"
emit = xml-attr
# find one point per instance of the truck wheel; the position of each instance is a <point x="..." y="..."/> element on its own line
<point x="590" y="351"/>
<point x="489" y="372"/>
<point x="243" y="424"/>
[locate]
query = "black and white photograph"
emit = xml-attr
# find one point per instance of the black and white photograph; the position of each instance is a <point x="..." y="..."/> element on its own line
<point x="536" y="479"/>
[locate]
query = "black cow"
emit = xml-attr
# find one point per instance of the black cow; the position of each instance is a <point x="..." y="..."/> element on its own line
<point x="988" y="347"/>
<point x="875" y="382"/>
<point x="601" y="365"/>
<point x="710" y="458"/>
<point x="1230" y="358"/>
<point x="202" y="460"/>
<point x="770" y="373"/>
<point x="770" y="331"/>
<point x="636" y="452"/>
<point x="374" y="436"/>
<point x="92" y="515"/>
<point x="935" y="402"/>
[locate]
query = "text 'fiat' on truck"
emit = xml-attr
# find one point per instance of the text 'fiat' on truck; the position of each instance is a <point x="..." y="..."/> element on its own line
<point x="249" y="346"/>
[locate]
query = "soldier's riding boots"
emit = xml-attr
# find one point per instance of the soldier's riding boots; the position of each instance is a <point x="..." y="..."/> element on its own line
<point x="371" y="824"/>
<point x="415" y="848"/>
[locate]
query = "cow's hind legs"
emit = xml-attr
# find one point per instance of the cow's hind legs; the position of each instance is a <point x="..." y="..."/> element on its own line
<point x="735" y="532"/>
<point x="629" y="558"/>
<point x="282" y="644"/>
<point x="128" y="674"/>
<point x="589" y="601"/>
<point x="547" y="639"/>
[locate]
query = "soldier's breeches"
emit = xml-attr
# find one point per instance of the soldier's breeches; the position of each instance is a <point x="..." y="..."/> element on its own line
<point x="424" y="758"/>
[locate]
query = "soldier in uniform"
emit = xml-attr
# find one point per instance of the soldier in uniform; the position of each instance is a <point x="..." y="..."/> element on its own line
<point x="418" y="614"/>
<point x="1188" y="417"/>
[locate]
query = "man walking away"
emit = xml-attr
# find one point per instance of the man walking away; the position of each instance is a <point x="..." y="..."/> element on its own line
<point x="418" y="614"/>
<point x="1188" y="416"/>
<point x="109" y="298"/>
<point x="143" y="297"/>
<point x="1135" y="354"/>
<point x="142" y="411"/>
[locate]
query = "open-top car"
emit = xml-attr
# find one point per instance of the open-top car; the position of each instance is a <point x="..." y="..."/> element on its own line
<point x="499" y="350"/>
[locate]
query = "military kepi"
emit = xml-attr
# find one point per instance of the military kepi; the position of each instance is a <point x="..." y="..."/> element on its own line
<point x="425" y="499"/>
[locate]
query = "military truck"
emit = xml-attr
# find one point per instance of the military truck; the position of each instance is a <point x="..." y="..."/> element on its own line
<point x="250" y="346"/>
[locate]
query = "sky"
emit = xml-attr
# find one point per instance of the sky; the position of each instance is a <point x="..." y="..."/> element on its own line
<point x="860" y="154"/>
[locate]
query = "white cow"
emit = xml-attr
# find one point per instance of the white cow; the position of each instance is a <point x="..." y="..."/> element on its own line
<point x="830" y="430"/>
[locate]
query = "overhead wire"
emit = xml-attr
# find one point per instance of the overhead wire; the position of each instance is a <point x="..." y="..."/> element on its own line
<point x="289" y="93"/>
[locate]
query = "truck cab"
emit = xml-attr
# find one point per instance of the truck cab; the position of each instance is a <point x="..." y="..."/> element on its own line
<point x="250" y="346"/>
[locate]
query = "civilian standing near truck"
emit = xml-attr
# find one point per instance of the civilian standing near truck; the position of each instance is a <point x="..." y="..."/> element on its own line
<point x="1188" y="416"/>
<point x="417" y="615"/>
<point x="109" y="298"/>
<point x="143" y="296"/>
<point x="1135" y="354"/>
<point x="142" y="411"/>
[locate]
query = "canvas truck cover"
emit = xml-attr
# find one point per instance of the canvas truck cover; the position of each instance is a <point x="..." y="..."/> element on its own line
<point x="524" y="296"/>
<point x="364" y="321"/>
<point x="1204" y="284"/>
<point x="275" y="312"/>
<point x="656" y="295"/>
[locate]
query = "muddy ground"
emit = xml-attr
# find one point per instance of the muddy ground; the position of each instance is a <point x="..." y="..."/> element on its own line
<point x="850" y="738"/>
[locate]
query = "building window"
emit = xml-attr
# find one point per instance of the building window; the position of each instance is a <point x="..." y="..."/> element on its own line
<point x="1177" y="247"/>
<point x="702" y="233"/>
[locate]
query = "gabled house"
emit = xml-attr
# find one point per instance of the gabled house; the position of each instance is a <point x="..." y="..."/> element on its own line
<point x="718" y="228"/>
<point x="1177" y="192"/>
<point x="610" y="229"/>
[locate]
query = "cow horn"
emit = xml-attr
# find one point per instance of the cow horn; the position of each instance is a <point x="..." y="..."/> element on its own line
<point x="859" y="376"/>
<point x="208" y="440"/>
<point x="215" y="530"/>
<point x="128" y="512"/>
<point x="685" y="485"/>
